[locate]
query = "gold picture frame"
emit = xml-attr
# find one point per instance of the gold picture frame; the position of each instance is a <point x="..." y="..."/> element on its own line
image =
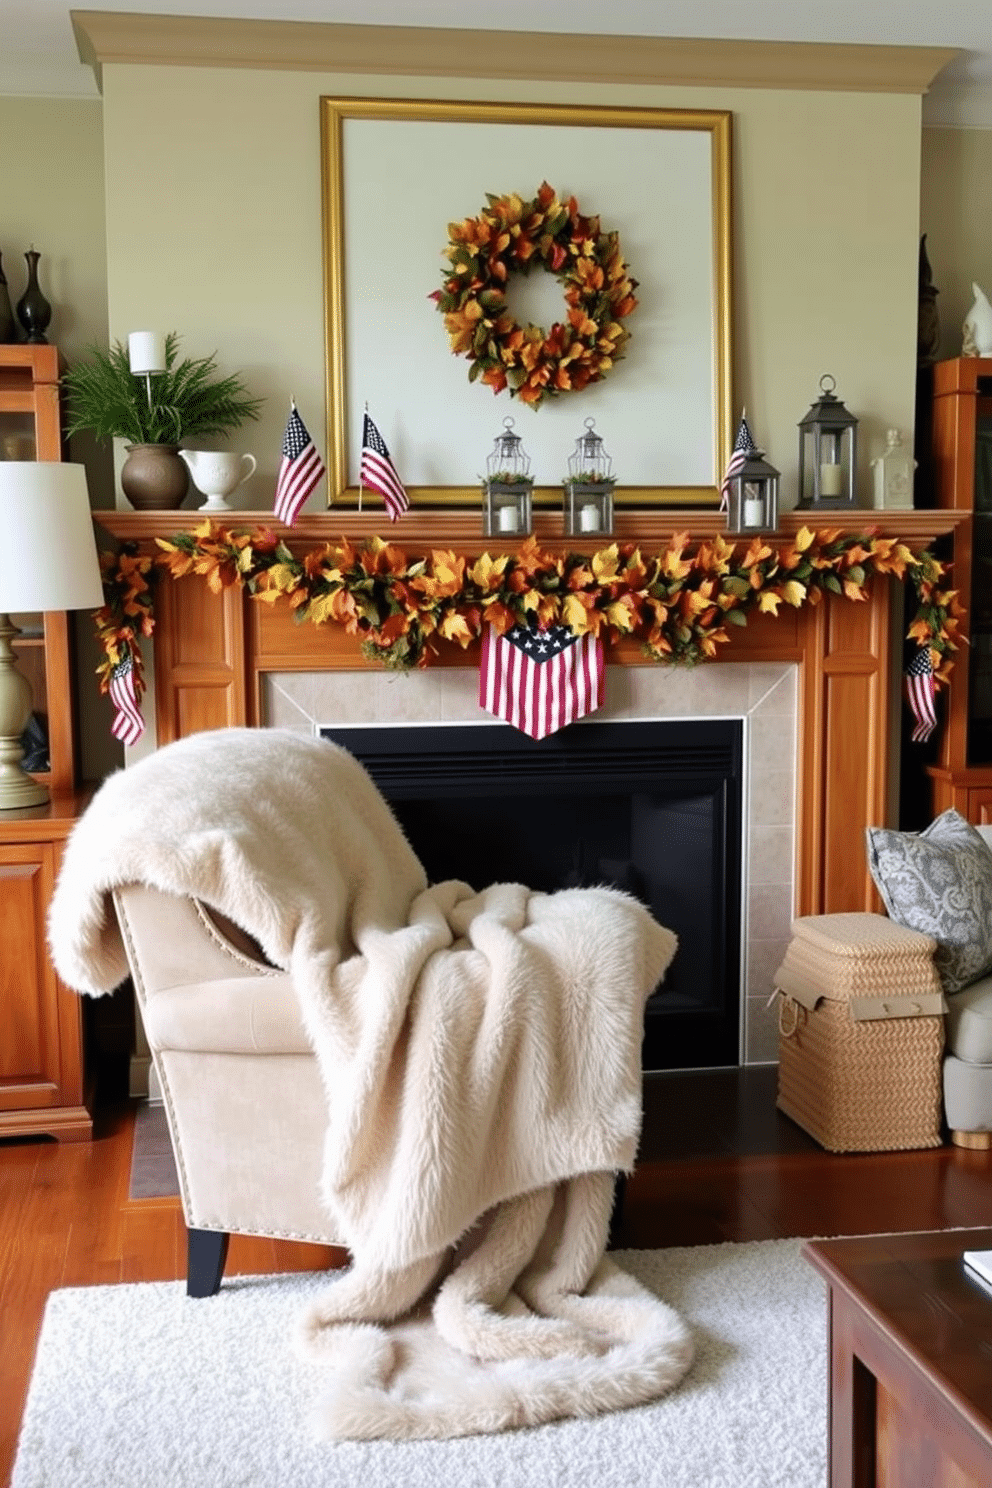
<point x="397" y="171"/>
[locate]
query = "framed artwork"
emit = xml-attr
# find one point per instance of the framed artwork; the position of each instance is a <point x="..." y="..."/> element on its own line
<point x="398" y="172"/>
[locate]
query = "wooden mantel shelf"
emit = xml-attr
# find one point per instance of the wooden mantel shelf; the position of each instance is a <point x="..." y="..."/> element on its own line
<point x="461" y="529"/>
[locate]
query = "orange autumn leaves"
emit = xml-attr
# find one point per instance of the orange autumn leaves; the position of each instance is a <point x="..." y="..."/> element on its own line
<point x="680" y="603"/>
<point x="513" y="236"/>
<point x="127" y="614"/>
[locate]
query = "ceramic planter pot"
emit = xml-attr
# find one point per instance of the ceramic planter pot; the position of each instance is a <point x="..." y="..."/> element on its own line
<point x="153" y="477"/>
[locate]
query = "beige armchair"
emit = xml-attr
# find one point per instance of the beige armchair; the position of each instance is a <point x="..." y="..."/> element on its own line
<point x="240" y="1083"/>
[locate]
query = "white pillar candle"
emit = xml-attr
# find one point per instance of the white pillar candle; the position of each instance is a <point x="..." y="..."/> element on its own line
<point x="589" y="517"/>
<point x="508" y="519"/>
<point x="831" y="480"/>
<point x="146" y="351"/>
<point x="754" y="512"/>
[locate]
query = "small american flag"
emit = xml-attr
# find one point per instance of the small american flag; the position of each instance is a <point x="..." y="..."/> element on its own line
<point x="378" y="472"/>
<point x="128" y="725"/>
<point x="300" y="470"/>
<point x="744" y="448"/>
<point x="921" y="694"/>
<point x="540" y="680"/>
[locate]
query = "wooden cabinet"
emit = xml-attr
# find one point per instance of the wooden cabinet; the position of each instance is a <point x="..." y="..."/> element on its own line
<point x="41" y="1021"/>
<point x="962" y="461"/>
<point x="31" y="429"/>
<point x="41" y="1040"/>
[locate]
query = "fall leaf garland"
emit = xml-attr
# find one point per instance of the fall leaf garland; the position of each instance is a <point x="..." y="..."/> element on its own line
<point x="680" y="603"/>
<point x="127" y="615"/>
<point x="513" y="236"/>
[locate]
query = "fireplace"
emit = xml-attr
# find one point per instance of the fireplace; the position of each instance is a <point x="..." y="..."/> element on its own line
<point x="652" y="807"/>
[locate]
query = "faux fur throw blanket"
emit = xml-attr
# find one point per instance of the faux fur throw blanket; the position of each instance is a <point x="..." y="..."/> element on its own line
<point x="480" y="1054"/>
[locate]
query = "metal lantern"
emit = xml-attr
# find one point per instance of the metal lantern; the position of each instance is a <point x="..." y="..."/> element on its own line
<point x="508" y="487"/>
<point x="827" y="452"/>
<point x="589" y="487"/>
<point x="752" y="496"/>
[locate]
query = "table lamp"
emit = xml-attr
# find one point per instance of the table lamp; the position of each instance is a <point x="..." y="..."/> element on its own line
<point x="48" y="561"/>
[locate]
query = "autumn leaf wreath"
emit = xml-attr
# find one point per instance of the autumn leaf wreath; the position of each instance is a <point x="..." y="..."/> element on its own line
<point x="512" y="236"/>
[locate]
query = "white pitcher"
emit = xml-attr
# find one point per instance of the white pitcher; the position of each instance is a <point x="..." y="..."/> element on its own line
<point x="217" y="473"/>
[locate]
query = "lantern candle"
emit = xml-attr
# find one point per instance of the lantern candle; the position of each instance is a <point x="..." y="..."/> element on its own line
<point x="754" y="512"/>
<point x="589" y="517"/>
<point x="830" y="480"/>
<point x="507" y="519"/>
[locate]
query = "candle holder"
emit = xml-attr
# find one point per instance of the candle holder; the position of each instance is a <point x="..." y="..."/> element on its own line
<point x="508" y="488"/>
<point x="752" y="495"/>
<point x="589" y="486"/>
<point x="827" y="453"/>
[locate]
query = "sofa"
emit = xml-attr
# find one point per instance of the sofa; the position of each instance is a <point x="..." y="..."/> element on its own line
<point x="939" y="882"/>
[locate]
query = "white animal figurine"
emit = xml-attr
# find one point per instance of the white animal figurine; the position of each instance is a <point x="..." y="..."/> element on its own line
<point x="978" y="326"/>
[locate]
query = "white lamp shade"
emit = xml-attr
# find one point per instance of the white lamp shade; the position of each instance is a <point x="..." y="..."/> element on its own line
<point x="48" y="557"/>
<point x="146" y="351"/>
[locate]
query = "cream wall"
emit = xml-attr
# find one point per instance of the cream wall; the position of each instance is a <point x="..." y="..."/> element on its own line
<point x="228" y="248"/>
<point x="956" y="215"/>
<point x="51" y="195"/>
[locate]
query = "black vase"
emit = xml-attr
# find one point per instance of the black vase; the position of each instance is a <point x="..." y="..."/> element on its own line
<point x="8" y="327"/>
<point x="33" y="310"/>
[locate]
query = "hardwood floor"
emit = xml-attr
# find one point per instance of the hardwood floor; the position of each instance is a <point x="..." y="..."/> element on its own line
<point x="717" y="1162"/>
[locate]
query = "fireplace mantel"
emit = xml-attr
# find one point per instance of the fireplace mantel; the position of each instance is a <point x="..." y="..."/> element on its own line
<point x="212" y="653"/>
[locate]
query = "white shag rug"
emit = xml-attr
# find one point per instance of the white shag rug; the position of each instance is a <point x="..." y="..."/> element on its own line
<point x="139" y="1385"/>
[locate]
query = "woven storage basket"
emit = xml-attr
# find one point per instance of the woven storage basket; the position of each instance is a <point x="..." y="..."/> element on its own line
<point x="861" y="1034"/>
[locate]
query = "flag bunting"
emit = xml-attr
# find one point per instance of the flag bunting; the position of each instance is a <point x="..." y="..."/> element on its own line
<point x="128" y="725"/>
<point x="921" y="694"/>
<point x="379" y="473"/>
<point x="299" y="472"/>
<point x="541" y="680"/>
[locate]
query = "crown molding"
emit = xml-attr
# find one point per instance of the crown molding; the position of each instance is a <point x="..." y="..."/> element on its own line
<point x="964" y="105"/>
<point x="109" y="37"/>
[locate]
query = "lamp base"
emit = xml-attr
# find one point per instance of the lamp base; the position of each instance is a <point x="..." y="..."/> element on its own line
<point x="17" y="787"/>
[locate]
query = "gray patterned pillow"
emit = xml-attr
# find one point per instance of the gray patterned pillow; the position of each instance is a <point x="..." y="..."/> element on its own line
<point x="939" y="881"/>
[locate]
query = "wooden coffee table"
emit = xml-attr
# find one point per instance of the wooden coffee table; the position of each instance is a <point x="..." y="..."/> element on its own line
<point x="910" y="1361"/>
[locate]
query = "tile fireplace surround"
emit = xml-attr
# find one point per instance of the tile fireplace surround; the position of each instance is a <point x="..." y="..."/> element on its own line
<point x="817" y="689"/>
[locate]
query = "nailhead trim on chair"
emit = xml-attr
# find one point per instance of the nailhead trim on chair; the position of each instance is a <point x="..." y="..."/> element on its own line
<point x="221" y="940"/>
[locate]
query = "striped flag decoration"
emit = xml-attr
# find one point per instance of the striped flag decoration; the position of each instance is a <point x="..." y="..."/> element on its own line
<point x="744" y="448"/>
<point x="128" y="725"/>
<point x="921" y="694"/>
<point x="379" y="473"/>
<point x="300" y="470"/>
<point x="540" y="680"/>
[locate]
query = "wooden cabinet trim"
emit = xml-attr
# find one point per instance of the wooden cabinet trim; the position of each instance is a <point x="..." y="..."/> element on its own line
<point x="50" y="1098"/>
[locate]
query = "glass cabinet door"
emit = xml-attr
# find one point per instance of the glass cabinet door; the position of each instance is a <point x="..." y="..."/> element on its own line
<point x="31" y="429"/>
<point x="17" y="436"/>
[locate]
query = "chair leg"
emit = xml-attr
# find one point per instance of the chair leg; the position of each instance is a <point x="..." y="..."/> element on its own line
<point x="616" y="1217"/>
<point x="206" y="1253"/>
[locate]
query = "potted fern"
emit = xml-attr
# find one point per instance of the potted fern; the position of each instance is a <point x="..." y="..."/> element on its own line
<point x="154" y="414"/>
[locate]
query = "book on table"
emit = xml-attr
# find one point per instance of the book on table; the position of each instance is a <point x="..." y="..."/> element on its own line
<point x="979" y="1263"/>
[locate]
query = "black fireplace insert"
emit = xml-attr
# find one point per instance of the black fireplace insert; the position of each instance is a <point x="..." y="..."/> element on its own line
<point x="652" y="807"/>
